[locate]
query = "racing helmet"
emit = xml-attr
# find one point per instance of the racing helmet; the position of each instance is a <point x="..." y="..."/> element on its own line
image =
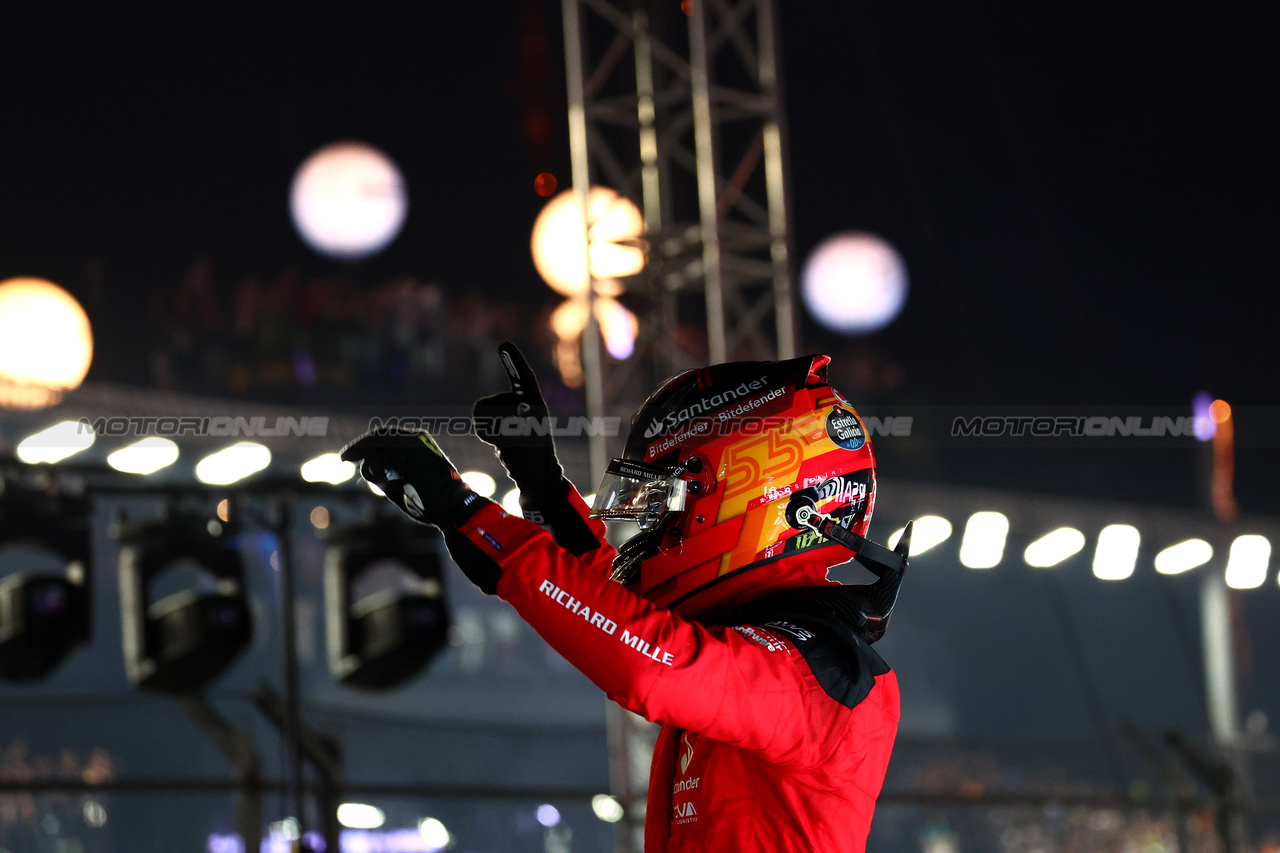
<point x="707" y="470"/>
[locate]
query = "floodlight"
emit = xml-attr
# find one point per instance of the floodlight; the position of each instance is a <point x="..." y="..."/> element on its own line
<point x="926" y="531"/>
<point x="183" y="641"/>
<point x="1247" y="561"/>
<point x="434" y="833"/>
<point x="479" y="482"/>
<point x="144" y="457"/>
<point x="1117" y="552"/>
<point x="361" y="816"/>
<point x="1183" y="557"/>
<point x="607" y="808"/>
<point x="1054" y="547"/>
<point x="983" y="544"/>
<point x="233" y="463"/>
<point x="56" y="443"/>
<point x="44" y="616"/>
<point x="387" y="636"/>
<point x="328" y="468"/>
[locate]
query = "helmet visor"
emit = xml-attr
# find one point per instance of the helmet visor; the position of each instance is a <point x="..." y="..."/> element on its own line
<point x="637" y="492"/>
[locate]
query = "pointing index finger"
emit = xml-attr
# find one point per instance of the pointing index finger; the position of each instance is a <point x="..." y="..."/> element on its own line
<point x="519" y="374"/>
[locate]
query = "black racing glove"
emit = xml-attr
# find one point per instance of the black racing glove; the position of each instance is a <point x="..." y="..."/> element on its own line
<point x="517" y="424"/>
<point x="419" y="479"/>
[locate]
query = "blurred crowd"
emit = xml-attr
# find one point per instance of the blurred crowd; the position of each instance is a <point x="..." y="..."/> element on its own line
<point x="333" y="339"/>
<point x="29" y="821"/>
<point x="330" y="338"/>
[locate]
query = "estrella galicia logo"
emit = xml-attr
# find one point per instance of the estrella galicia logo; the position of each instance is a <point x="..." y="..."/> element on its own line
<point x="844" y="428"/>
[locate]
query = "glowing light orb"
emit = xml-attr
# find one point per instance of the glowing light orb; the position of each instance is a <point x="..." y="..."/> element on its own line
<point x="854" y="283"/>
<point x="618" y="325"/>
<point x="46" y="343"/>
<point x="614" y="232"/>
<point x="545" y="184"/>
<point x="348" y="200"/>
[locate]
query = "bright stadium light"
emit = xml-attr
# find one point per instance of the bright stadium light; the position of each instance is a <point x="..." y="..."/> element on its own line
<point x="983" y="544"/>
<point x="1054" y="547"/>
<point x="479" y="482"/>
<point x="46" y="343"/>
<point x="854" y="283"/>
<point x="511" y="503"/>
<point x="928" y="530"/>
<point x="1247" y="561"/>
<point x="233" y="463"/>
<point x="328" y="468"/>
<point x="548" y="815"/>
<point x="1117" y="552"/>
<point x="144" y="457"/>
<point x="557" y="241"/>
<point x="607" y="808"/>
<point x="56" y="443"/>
<point x="348" y="200"/>
<point x="1183" y="557"/>
<point x="360" y="816"/>
<point x="434" y="833"/>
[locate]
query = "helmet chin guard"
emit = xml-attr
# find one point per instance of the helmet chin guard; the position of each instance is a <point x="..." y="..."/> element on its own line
<point x="872" y="603"/>
<point x="637" y="549"/>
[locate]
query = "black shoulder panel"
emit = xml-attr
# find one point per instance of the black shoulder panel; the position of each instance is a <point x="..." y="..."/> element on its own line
<point x="843" y="663"/>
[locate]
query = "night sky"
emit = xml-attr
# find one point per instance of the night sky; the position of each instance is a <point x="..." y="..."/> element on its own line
<point x="1085" y="194"/>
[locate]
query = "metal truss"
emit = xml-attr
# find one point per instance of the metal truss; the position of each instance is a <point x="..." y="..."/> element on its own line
<point x="679" y="108"/>
<point x="682" y="113"/>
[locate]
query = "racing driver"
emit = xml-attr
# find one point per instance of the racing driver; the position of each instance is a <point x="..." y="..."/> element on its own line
<point x="716" y="620"/>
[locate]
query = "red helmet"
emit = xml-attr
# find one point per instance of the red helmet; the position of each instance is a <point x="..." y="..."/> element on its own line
<point x="712" y="458"/>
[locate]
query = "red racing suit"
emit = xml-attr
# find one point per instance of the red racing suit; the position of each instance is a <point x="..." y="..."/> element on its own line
<point x="775" y="737"/>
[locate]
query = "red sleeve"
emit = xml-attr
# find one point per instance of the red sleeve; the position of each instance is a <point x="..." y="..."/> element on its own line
<point x="750" y="689"/>
<point x="583" y="509"/>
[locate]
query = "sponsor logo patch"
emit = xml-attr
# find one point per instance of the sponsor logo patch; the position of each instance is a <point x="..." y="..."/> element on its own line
<point x="703" y="406"/>
<point x="844" y="428"/>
